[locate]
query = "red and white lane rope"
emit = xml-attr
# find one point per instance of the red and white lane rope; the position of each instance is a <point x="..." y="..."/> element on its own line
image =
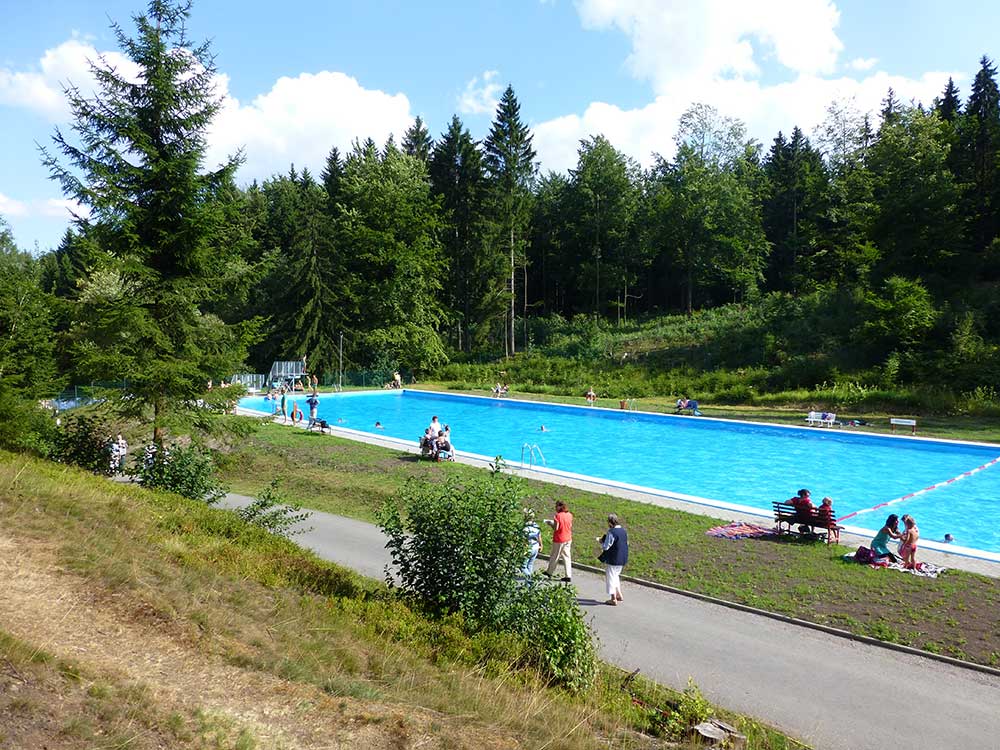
<point x="937" y="486"/>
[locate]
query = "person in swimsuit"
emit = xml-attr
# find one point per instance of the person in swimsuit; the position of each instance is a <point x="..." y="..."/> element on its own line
<point x="881" y="540"/>
<point x="908" y="543"/>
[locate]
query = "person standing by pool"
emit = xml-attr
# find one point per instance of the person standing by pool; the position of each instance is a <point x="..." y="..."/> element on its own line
<point x="889" y="531"/>
<point x="284" y="406"/>
<point x="614" y="555"/>
<point x="562" y="541"/>
<point x="435" y="427"/>
<point x="908" y="542"/>
<point x="313" y="402"/>
<point x="533" y="533"/>
<point x="296" y="413"/>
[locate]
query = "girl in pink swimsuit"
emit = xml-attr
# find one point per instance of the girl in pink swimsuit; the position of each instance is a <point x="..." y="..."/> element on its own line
<point x="908" y="544"/>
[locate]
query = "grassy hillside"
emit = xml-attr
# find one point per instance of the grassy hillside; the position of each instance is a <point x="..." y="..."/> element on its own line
<point x="170" y="623"/>
<point x="807" y="351"/>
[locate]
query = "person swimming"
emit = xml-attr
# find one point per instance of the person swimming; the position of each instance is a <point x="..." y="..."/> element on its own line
<point x="378" y="426"/>
<point x="543" y="428"/>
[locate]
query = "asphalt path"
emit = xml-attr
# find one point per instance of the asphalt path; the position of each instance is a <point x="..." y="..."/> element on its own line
<point x="830" y="692"/>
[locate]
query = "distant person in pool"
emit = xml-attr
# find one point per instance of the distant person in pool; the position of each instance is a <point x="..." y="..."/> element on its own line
<point x="880" y="543"/>
<point x="948" y="538"/>
<point x="543" y="428"/>
<point x="908" y="543"/>
<point x="378" y="426"/>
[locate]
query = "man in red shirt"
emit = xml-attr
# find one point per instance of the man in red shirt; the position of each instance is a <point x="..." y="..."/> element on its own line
<point x="562" y="539"/>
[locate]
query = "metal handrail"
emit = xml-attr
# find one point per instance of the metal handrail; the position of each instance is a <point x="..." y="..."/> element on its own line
<point x="532" y="448"/>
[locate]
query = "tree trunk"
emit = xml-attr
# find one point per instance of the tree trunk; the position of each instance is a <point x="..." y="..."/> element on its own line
<point x="513" y="293"/>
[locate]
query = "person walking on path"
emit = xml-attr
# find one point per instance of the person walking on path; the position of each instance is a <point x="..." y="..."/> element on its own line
<point x="562" y="540"/>
<point x="122" y="453"/>
<point x="614" y="555"/>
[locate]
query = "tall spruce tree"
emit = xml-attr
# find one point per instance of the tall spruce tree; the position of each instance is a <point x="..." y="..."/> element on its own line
<point x="948" y="105"/>
<point x="137" y="166"/>
<point x="476" y="275"/>
<point x="333" y="173"/>
<point x="980" y="136"/>
<point x="510" y="164"/>
<point x="417" y="141"/>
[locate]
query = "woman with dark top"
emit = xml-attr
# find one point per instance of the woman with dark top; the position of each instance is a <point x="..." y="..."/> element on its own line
<point x="614" y="555"/>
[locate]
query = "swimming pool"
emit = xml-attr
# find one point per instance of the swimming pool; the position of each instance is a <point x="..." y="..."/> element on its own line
<point x="722" y="462"/>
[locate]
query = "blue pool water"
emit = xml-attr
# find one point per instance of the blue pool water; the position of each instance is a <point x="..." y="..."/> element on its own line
<point x="745" y="464"/>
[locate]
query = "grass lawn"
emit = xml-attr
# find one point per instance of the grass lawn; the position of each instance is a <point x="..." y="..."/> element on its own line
<point x="955" y="614"/>
<point x="218" y="595"/>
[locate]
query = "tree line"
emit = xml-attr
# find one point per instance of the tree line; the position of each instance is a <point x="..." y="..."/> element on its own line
<point x="448" y="247"/>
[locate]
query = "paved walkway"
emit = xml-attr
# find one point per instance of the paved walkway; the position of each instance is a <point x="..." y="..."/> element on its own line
<point x="833" y="693"/>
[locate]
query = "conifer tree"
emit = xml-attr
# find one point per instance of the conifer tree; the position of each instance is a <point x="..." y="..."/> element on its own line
<point x="137" y="166"/>
<point x="332" y="174"/>
<point x="980" y="138"/>
<point x="948" y="105"/>
<point x="510" y="164"/>
<point x="476" y="275"/>
<point x="417" y="141"/>
<point x="890" y="107"/>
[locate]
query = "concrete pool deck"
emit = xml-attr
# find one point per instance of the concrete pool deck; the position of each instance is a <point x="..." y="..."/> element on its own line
<point x="688" y="504"/>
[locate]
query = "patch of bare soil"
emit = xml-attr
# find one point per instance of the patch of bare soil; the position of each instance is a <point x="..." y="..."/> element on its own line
<point x="55" y="612"/>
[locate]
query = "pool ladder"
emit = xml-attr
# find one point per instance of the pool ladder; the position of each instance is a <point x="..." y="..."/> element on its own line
<point x="532" y="449"/>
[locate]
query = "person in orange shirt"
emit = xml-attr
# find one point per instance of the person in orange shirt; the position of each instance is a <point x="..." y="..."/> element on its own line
<point x="562" y="540"/>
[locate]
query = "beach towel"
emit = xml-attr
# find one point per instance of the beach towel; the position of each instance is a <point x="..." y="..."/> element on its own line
<point x="923" y="569"/>
<point x="739" y="530"/>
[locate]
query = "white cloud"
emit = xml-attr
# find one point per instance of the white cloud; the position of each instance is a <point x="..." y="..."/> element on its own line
<point x="481" y="95"/>
<point x="300" y="119"/>
<point x="10" y="207"/>
<point x="766" y="109"/>
<point x="863" y="63"/>
<point x="59" y="208"/>
<point x="41" y="89"/>
<point x="710" y="52"/>
<point x="679" y="39"/>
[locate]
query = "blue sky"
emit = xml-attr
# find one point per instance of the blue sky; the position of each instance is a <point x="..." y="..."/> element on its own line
<point x="301" y="76"/>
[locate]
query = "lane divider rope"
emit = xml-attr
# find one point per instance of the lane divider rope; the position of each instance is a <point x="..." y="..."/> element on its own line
<point x="937" y="486"/>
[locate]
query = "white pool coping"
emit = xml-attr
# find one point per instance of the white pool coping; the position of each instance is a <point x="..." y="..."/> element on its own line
<point x="947" y="555"/>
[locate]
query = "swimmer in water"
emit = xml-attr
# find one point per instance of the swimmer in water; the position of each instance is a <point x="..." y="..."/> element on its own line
<point x="543" y="428"/>
<point x="378" y="426"/>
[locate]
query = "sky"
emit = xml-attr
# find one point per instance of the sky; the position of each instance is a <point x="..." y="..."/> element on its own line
<point x="301" y="76"/>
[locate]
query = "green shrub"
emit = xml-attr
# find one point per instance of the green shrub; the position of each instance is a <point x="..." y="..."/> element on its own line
<point x="457" y="550"/>
<point x="550" y="621"/>
<point x="271" y="512"/>
<point x="185" y="469"/>
<point x="24" y="426"/>
<point x="84" y="441"/>
<point x="458" y="547"/>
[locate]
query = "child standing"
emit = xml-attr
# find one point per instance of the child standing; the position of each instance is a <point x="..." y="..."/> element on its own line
<point x="908" y="543"/>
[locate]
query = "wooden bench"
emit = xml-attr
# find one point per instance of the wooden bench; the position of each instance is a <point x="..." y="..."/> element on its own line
<point x="911" y="423"/>
<point x="790" y="515"/>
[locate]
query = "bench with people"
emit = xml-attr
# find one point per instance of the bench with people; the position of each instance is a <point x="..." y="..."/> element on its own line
<point x="799" y="516"/>
<point x="821" y="419"/>
<point x="435" y="443"/>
